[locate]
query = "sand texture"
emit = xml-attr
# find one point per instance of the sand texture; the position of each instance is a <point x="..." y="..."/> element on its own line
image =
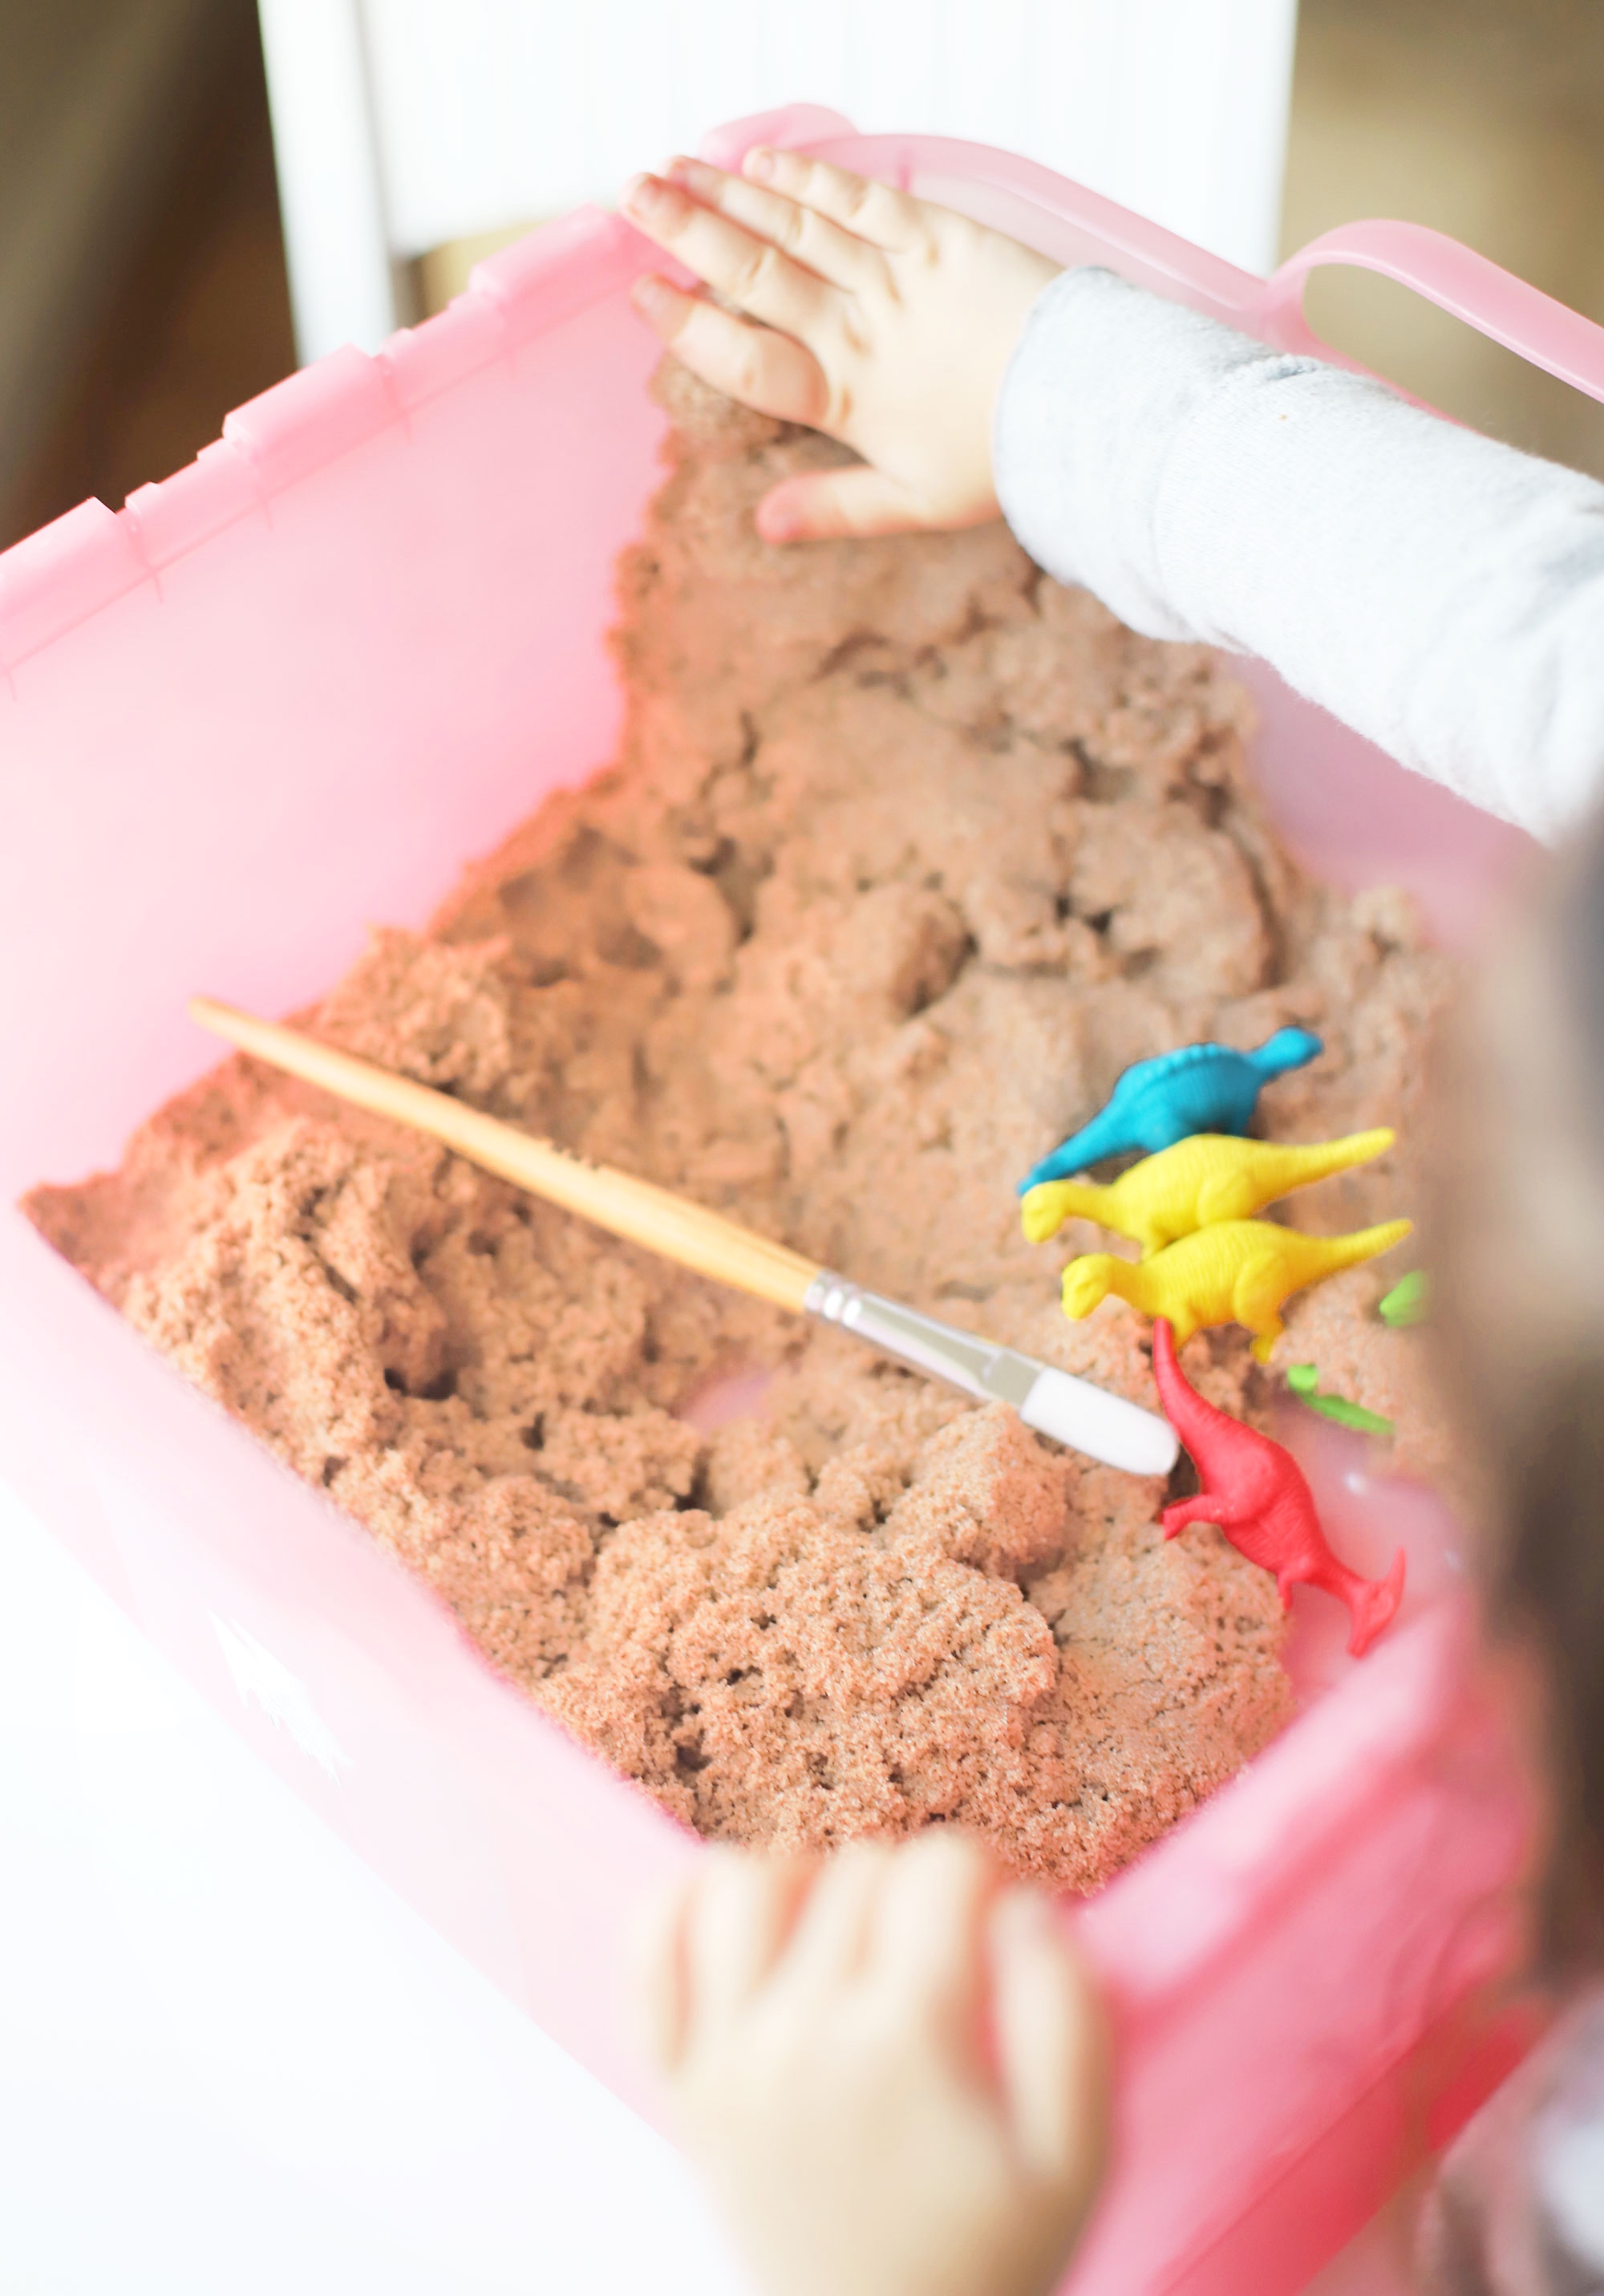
<point x="906" y="853"/>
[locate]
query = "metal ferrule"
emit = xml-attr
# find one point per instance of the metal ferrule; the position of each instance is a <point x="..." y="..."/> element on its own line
<point x="990" y="1374"/>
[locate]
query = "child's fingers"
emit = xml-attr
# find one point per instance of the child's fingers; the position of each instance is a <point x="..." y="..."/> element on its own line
<point x="822" y="503"/>
<point x="749" y="272"/>
<point x="927" y="1941"/>
<point x="657" y="1975"/>
<point x="799" y="232"/>
<point x="873" y="211"/>
<point x="1050" y="2053"/>
<point x="830" y="1941"/>
<point x="740" y="1915"/>
<point x="764" y="370"/>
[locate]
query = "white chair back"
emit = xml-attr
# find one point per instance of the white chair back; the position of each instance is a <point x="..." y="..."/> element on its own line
<point x="403" y="124"/>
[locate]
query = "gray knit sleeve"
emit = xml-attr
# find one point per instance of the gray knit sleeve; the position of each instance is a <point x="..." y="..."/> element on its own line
<point x="1440" y="594"/>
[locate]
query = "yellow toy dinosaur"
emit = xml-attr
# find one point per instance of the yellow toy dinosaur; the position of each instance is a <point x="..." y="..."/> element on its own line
<point x="1234" y="1272"/>
<point x="1194" y="1185"/>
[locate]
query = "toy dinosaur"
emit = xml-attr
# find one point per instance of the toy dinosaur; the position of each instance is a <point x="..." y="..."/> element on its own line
<point x="1303" y="1379"/>
<point x="1193" y="1185"/>
<point x="1199" y="1088"/>
<point x="1408" y="1302"/>
<point x="1235" y="1271"/>
<point x="1258" y="1496"/>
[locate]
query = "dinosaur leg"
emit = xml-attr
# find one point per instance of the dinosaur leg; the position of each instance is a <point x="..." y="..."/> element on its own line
<point x="1207" y="1506"/>
<point x="1256" y="1299"/>
<point x="1183" y="1324"/>
<point x="1184" y="1512"/>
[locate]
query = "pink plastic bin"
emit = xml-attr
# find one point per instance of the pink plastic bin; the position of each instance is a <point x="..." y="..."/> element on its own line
<point x="294" y="689"/>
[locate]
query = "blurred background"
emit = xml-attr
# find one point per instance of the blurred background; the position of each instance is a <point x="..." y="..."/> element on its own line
<point x="144" y="289"/>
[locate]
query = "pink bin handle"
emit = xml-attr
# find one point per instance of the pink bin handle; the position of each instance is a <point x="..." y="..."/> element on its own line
<point x="1494" y="301"/>
<point x="1522" y="318"/>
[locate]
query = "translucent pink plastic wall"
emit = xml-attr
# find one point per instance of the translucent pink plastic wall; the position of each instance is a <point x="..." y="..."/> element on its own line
<point x="292" y="690"/>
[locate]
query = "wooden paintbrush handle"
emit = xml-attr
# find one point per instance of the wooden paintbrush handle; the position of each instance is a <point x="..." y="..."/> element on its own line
<point x="636" y="1209"/>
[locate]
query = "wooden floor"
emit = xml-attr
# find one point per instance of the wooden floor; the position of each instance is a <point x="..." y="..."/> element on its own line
<point x="1483" y="117"/>
<point x="201" y="321"/>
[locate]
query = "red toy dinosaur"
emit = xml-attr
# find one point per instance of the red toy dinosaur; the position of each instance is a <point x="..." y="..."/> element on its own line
<point x="1260" y="1499"/>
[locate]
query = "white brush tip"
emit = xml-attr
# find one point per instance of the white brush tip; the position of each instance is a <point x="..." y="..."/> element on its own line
<point x="1103" y="1426"/>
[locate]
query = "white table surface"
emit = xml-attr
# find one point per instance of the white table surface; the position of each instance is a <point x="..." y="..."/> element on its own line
<point x="231" y="2060"/>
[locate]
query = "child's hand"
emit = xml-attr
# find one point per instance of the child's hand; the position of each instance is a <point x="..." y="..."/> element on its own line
<point x="891" y="2068"/>
<point x="885" y="322"/>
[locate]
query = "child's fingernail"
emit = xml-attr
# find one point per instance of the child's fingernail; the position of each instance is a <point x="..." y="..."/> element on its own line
<point x="641" y="194"/>
<point x="652" y="296"/>
<point x="679" y="167"/>
<point x="759" y="163"/>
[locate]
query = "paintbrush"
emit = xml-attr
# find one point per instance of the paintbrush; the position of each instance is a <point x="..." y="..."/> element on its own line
<point x="1071" y="1410"/>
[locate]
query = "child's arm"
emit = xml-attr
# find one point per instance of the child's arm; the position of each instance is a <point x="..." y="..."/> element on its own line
<point x="891" y="2069"/>
<point x="1440" y="594"/>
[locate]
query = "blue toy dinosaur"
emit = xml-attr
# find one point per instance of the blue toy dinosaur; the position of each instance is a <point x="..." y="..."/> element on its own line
<point x="1199" y="1088"/>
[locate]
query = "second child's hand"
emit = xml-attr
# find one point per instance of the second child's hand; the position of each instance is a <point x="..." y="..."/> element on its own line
<point x="875" y="317"/>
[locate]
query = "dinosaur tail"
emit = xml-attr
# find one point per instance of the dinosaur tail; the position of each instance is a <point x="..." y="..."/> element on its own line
<point x="1088" y="1147"/>
<point x="1348" y="1250"/>
<point x="1318" y="1158"/>
<point x="1374" y="1603"/>
<point x="1049" y="1204"/>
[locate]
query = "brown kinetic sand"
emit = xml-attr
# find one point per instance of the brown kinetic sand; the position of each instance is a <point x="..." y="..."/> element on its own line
<point x="908" y="853"/>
